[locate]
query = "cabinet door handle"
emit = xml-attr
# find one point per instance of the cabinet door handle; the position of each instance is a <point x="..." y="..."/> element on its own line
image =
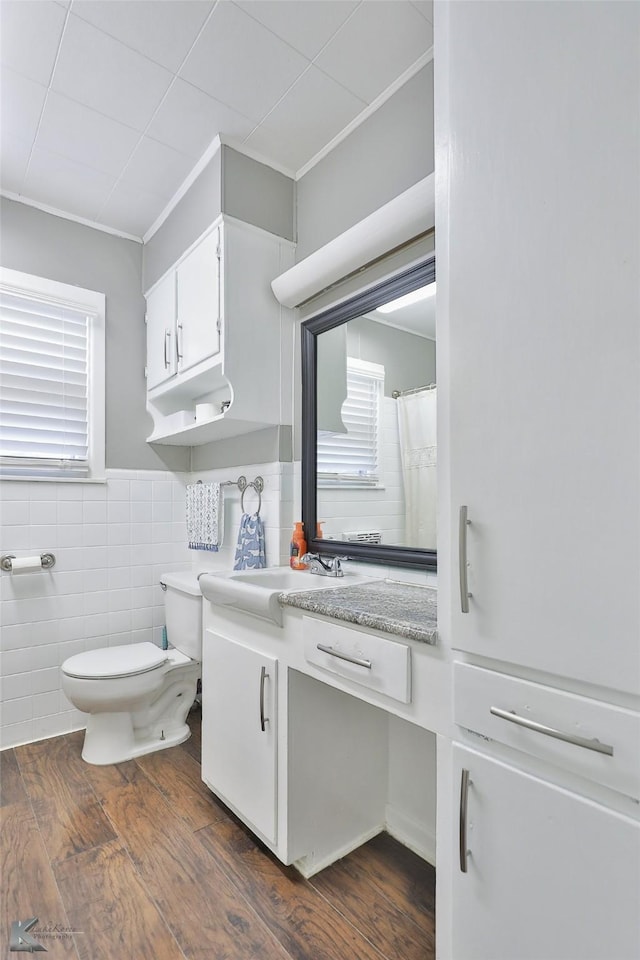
<point x="551" y="732"/>
<point x="263" y="720"/>
<point x="345" y="656"/>
<point x="167" y="334"/>
<point x="179" y="351"/>
<point x="464" y="794"/>
<point x="462" y="559"/>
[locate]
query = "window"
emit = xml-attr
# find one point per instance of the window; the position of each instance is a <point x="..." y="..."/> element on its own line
<point x="351" y="459"/>
<point x="51" y="379"/>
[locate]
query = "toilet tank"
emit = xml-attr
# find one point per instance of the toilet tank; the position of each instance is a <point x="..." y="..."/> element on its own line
<point x="183" y="612"/>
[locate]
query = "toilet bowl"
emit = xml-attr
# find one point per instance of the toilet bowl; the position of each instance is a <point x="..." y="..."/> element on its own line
<point x="138" y="696"/>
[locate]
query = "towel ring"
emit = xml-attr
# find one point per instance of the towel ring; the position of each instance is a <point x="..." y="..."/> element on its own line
<point x="258" y="486"/>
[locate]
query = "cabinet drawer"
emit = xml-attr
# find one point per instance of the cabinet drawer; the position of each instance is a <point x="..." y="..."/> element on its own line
<point x="477" y="692"/>
<point x="371" y="661"/>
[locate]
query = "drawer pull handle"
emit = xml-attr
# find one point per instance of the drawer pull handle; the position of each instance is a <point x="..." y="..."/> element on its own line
<point x="344" y="656"/>
<point x="167" y="336"/>
<point x="263" y="720"/>
<point x="462" y="560"/>
<point x="550" y="732"/>
<point x="464" y="794"/>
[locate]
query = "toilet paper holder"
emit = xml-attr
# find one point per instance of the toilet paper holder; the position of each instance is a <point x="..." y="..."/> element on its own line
<point x="47" y="560"/>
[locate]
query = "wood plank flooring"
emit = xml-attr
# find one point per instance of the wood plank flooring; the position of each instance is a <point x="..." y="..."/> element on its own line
<point x="139" y="860"/>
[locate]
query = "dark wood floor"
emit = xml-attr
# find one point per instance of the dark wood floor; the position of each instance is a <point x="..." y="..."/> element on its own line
<point x="140" y="860"/>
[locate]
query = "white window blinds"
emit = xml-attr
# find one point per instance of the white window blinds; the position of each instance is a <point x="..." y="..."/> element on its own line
<point x="44" y="386"/>
<point x="352" y="458"/>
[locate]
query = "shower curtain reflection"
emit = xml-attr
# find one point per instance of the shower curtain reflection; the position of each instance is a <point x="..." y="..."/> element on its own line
<point x="417" y="428"/>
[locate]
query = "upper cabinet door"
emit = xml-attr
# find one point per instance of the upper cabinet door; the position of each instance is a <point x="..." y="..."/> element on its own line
<point x="199" y="305"/>
<point x="538" y="225"/>
<point x="161" y="321"/>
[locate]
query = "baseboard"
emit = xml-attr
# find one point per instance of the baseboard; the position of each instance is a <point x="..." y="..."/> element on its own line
<point x="412" y="833"/>
<point x="309" y="869"/>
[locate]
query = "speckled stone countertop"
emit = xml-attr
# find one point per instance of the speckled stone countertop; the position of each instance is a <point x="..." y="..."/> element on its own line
<point x="388" y="605"/>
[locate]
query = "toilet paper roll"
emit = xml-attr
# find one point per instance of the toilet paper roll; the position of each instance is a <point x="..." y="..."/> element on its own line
<point x="26" y="564"/>
<point x="205" y="411"/>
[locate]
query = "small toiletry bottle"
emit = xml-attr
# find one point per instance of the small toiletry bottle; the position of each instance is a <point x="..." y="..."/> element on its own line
<point x="298" y="548"/>
<point x="319" y="533"/>
<point x="165" y="639"/>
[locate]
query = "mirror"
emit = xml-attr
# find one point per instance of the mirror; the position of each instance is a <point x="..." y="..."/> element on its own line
<point x="369" y="424"/>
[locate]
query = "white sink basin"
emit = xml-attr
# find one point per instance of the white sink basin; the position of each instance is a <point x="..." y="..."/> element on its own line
<point x="257" y="591"/>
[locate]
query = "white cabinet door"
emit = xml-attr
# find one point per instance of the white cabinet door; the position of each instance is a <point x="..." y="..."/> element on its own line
<point x="550" y="875"/>
<point x="161" y="319"/>
<point x="239" y="730"/>
<point x="539" y="244"/>
<point x="198" y="310"/>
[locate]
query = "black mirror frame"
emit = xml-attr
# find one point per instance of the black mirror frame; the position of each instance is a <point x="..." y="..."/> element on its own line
<point x="417" y="276"/>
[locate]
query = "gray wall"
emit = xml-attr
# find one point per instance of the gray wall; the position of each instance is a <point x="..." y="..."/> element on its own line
<point x="36" y="242"/>
<point x="264" y="446"/>
<point x="196" y="211"/>
<point x="257" y="194"/>
<point x="384" y="156"/>
<point x="408" y="360"/>
<point x="230" y="183"/>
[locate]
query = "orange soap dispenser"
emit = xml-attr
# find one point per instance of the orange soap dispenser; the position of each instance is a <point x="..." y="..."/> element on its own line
<point x="298" y="548"/>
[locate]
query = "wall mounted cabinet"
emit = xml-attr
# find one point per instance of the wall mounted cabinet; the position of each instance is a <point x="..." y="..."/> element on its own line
<point x="216" y="335"/>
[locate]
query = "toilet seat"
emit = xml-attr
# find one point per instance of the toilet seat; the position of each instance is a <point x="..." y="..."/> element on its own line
<point x="109" y="663"/>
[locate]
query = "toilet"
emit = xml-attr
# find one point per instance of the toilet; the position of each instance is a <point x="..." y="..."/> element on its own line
<point x="137" y="695"/>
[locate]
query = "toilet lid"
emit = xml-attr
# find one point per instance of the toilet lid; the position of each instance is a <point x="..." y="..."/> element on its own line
<point x="112" y="662"/>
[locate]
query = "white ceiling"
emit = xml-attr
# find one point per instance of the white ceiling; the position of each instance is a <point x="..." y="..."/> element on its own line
<point x="107" y="105"/>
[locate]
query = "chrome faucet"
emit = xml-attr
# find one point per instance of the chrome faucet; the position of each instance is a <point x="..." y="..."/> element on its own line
<point x="317" y="565"/>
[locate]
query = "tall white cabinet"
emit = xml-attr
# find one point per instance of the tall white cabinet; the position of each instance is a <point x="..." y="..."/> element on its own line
<point x="538" y="225"/>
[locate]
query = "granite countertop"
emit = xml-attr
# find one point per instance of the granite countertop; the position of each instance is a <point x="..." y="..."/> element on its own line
<point x="388" y="605"/>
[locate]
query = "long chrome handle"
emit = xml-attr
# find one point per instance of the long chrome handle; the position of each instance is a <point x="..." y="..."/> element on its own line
<point x="263" y="720"/>
<point x="462" y="559"/>
<point x="345" y="656"/>
<point x="464" y="794"/>
<point x="551" y="732"/>
<point x="167" y="334"/>
<point x="179" y="351"/>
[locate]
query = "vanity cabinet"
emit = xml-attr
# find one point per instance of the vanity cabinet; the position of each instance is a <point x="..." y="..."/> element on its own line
<point x="240" y="730"/>
<point x="214" y="331"/>
<point x="549" y="873"/>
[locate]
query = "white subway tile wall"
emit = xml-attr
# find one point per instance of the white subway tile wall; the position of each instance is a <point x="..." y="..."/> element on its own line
<point x="112" y="542"/>
<point x="276" y="512"/>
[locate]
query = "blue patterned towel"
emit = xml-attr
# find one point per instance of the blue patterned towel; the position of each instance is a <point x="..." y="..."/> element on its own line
<point x="250" y="553"/>
<point x="203" y="516"/>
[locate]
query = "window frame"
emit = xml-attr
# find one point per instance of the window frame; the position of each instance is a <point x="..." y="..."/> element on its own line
<point x="91" y="302"/>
